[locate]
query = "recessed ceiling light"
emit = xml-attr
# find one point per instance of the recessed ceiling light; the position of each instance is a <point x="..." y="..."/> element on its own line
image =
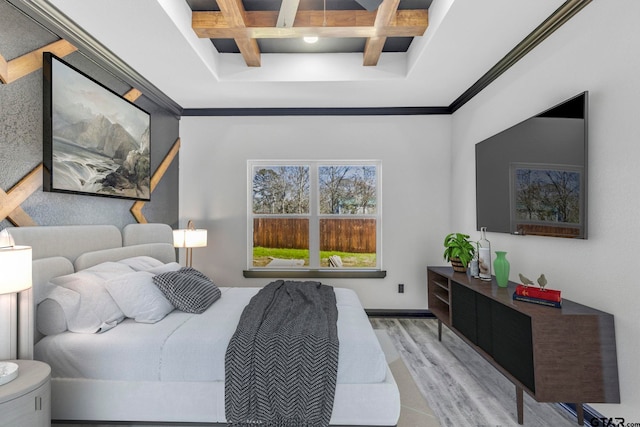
<point x="310" y="39"/>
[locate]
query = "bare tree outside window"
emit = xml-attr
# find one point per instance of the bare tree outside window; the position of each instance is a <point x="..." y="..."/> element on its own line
<point x="347" y="189"/>
<point x="281" y="190"/>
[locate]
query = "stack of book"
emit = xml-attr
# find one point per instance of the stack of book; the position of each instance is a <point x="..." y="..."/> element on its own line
<point x="548" y="297"/>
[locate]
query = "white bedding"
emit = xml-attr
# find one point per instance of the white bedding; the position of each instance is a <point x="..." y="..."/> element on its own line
<point x="78" y="358"/>
<point x="191" y="347"/>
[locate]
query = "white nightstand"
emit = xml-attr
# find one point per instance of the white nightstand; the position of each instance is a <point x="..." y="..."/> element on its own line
<point x="26" y="401"/>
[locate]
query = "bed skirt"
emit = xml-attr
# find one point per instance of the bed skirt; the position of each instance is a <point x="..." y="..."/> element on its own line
<point x="376" y="404"/>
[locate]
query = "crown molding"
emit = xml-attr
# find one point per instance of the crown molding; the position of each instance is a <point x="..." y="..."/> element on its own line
<point x="544" y="30"/>
<point x="365" y="111"/>
<point x="55" y="21"/>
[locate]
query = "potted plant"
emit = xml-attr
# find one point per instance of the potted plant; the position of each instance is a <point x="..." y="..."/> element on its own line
<point x="458" y="250"/>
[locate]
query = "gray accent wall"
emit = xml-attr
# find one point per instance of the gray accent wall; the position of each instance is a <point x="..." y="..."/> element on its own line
<point x="21" y="137"/>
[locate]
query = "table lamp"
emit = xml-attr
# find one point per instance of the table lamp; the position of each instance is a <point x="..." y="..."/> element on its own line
<point x="189" y="238"/>
<point x="15" y="276"/>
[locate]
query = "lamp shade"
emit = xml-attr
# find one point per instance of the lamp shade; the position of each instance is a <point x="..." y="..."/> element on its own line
<point x="15" y="269"/>
<point x="189" y="238"/>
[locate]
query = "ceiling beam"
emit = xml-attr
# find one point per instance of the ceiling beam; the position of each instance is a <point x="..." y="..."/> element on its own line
<point x="235" y="14"/>
<point x="342" y="23"/>
<point x="374" y="45"/>
<point x="287" y="15"/>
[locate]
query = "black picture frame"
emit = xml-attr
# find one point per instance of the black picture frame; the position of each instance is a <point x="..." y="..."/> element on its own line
<point x="95" y="142"/>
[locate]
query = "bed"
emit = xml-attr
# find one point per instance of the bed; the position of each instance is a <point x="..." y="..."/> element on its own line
<point x="152" y="366"/>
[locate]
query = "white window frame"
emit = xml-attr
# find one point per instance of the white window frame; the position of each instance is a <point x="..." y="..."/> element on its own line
<point x="314" y="210"/>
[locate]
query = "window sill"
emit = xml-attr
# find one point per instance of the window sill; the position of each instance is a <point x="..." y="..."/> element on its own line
<point x="342" y="273"/>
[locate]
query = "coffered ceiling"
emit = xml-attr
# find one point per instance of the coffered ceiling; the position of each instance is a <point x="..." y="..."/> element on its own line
<point x="252" y="27"/>
<point x="231" y="54"/>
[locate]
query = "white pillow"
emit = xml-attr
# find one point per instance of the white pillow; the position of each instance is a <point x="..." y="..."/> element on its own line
<point x="141" y="263"/>
<point x="50" y="317"/>
<point x="58" y="304"/>
<point x="107" y="270"/>
<point x="138" y="297"/>
<point x="95" y="311"/>
<point x="171" y="266"/>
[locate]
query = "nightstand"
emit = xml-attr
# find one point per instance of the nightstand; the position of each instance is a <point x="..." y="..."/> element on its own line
<point x="26" y="401"/>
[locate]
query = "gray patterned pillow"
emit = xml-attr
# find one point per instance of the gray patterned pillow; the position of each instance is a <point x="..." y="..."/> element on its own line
<point x="193" y="271"/>
<point x="189" y="291"/>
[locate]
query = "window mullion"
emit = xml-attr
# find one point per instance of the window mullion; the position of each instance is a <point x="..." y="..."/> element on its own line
<point x="314" y="223"/>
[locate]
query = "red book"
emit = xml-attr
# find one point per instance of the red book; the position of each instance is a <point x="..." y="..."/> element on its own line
<point x="534" y="292"/>
<point x="538" y="301"/>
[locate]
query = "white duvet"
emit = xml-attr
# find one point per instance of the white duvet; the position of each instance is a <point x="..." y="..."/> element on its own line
<point x="191" y="347"/>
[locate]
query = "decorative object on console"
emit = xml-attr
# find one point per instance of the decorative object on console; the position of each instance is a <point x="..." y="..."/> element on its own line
<point x="501" y="267"/>
<point x="189" y="238"/>
<point x="474" y="271"/>
<point x="528" y="292"/>
<point x="540" y="301"/>
<point x="542" y="281"/>
<point x="484" y="255"/>
<point x="458" y="250"/>
<point x="535" y="292"/>
<point x="15" y="276"/>
<point x="525" y="280"/>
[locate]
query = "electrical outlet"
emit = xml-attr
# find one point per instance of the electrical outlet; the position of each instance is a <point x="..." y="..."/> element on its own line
<point x="401" y="288"/>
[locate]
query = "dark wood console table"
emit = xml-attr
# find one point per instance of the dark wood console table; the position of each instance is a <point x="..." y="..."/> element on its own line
<point x="563" y="354"/>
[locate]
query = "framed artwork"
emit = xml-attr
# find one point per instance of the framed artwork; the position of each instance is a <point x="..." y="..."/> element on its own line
<point x="95" y="142"/>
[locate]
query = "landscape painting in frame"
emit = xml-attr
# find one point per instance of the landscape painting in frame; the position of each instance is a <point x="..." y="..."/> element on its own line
<point x="95" y="141"/>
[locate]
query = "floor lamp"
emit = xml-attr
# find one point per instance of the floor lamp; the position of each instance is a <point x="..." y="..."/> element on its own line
<point x="189" y="238"/>
<point x="15" y="276"/>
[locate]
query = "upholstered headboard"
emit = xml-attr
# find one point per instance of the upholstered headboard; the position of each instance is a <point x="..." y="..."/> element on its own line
<point x="61" y="250"/>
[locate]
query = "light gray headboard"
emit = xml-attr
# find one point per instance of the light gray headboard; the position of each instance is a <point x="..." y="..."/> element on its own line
<point x="69" y="241"/>
<point x="60" y="250"/>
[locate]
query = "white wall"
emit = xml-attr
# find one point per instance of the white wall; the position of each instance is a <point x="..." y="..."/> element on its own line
<point x="595" y="51"/>
<point x="415" y="171"/>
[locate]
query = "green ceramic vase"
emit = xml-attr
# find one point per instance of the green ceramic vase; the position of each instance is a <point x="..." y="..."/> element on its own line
<point x="501" y="269"/>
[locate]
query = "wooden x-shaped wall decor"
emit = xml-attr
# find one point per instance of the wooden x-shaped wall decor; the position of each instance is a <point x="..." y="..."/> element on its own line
<point x="11" y="71"/>
<point x="21" y="66"/>
<point x="10" y="201"/>
<point x="136" y="209"/>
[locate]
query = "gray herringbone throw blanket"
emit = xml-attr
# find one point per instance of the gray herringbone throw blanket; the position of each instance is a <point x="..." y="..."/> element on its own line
<point x="281" y="365"/>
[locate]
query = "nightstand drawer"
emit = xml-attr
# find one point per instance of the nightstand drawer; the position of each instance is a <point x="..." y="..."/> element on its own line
<point x="26" y="400"/>
<point x="31" y="409"/>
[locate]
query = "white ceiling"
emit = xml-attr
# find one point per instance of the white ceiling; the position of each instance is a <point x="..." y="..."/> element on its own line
<point x="465" y="38"/>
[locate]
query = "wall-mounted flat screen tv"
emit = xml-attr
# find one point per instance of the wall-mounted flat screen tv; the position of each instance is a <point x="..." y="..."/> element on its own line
<point x="531" y="179"/>
<point x="94" y="141"/>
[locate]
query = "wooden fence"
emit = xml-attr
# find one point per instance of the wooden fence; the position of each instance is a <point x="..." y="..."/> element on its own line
<point x="344" y="235"/>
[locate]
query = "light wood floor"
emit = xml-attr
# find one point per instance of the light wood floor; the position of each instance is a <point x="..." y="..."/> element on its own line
<point x="461" y="388"/>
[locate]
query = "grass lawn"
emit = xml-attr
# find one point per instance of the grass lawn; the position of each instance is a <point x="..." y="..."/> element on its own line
<point x="262" y="256"/>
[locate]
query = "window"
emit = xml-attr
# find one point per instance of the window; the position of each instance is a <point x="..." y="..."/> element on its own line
<point x="314" y="215"/>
